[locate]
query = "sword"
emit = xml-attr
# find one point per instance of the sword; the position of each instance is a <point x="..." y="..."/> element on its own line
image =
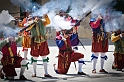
<point x="75" y="66"/>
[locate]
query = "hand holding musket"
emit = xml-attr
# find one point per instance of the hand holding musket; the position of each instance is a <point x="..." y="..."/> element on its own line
<point x="27" y="27"/>
<point x="99" y="17"/>
<point x="68" y="31"/>
<point x="122" y="34"/>
<point x="32" y="21"/>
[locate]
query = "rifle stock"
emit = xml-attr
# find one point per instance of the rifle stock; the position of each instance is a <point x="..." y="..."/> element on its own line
<point x="40" y="17"/>
<point x="26" y="27"/>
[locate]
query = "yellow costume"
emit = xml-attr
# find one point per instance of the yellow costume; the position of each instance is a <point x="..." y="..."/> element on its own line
<point x="26" y="37"/>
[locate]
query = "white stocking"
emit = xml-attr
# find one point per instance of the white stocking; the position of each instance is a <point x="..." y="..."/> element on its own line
<point x="45" y="65"/>
<point x="23" y="62"/>
<point x="95" y="60"/>
<point x="102" y="60"/>
<point x="25" y="54"/>
<point x="75" y="48"/>
<point x="34" y="65"/>
<point x="80" y="65"/>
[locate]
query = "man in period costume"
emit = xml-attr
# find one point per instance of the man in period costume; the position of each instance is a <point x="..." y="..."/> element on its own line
<point x="118" y="39"/>
<point x="74" y="42"/>
<point x="39" y="45"/>
<point x="99" y="42"/>
<point x="11" y="59"/>
<point x="26" y="40"/>
<point x="66" y="54"/>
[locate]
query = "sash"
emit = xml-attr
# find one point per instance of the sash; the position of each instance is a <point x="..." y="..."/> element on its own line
<point x="11" y="54"/>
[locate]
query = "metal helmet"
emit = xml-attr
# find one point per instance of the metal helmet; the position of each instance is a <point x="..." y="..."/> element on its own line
<point x="92" y="19"/>
<point x="34" y="9"/>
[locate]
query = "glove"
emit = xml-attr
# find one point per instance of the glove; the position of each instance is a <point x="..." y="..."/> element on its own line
<point x="121" y="35"/>
<point x="100" y="17"/>
<point x="63" y="37"/>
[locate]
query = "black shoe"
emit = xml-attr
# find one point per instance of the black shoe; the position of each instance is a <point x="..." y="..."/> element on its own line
<point x="103" y="71"/>
<point x="94" y="71"/>
<point x="118" y="69"/>
<point x="9" y="78"/>
<point x="47" y="75"/>
<point x="22" y="77"/>
<point x="81" y="73"/>
<point x="33" y="75"/>
<point x="1" y="76"/>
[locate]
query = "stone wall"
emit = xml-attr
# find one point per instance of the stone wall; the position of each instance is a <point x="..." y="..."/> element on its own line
<point x="85" y="30"/>
<point x="7" y="5"/>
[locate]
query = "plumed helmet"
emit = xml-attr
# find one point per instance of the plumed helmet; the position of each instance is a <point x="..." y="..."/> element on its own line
<point x="92" y="19"/>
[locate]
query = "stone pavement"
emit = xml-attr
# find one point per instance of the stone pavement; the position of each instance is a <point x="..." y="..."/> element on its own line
<point x="71" y="76"/>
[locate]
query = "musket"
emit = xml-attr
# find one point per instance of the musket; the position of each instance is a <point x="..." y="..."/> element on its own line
<point x="84" y="16"/>
<point x="89" y="12"/>
<point x="26" y="27"/>
<point x="16" y="12"/>
<point x="40" y="17"/>
<point x="68" y="31"/>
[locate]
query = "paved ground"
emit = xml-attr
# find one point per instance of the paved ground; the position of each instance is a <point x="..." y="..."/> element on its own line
<point x="71" y="76"/>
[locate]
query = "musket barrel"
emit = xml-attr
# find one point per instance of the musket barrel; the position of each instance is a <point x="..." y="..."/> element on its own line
<point x="88" y="13"/>
<point x="68" y="31"/>
<point x="82" y="18"/>
<point x="40" y="17"/>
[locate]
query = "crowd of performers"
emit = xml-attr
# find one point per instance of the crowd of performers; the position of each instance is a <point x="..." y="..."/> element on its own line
<point x="34" y="37"/>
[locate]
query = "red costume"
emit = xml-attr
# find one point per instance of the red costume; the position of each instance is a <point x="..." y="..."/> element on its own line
<point x="8" y="63"/>
<point x="10" y="59"/>
<point x="66" y="55"/>
<point x="99" y="42"/>
<point x="99" y="38"/>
